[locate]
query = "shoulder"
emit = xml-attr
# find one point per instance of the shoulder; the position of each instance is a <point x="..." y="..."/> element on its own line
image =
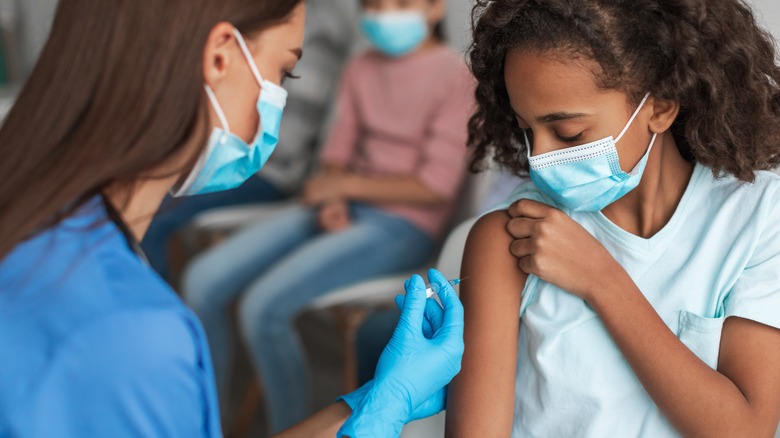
<point x="453" y="65"/>
<point x="131" y="350"/>
<point x="141" y="339"/>
<point x="761" y="197"/>
<point x="765" y="181"/>
<point x="488" y="238"/>
<point x="130" y="373"/>
<point x="492" y="224"/>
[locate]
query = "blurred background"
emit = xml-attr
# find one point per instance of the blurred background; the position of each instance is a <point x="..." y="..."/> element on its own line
<point x="330" y="329"/>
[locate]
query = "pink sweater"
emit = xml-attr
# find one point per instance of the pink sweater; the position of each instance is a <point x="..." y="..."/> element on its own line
<point x="406" y="117"/>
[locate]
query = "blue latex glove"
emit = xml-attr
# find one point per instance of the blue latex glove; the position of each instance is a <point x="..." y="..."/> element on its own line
<point x="422" y="357"/>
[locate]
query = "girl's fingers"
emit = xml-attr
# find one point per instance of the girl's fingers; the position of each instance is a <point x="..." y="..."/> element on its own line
<point x="521" y="228"/>
<point x="529" y="209"/>
<point x="521" y="247"/>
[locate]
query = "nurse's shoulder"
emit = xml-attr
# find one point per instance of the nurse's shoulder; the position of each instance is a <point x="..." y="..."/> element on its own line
<point x="89" y="336"/>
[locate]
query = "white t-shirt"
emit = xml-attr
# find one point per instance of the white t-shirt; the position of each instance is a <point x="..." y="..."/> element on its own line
<point x="718" y="256"/>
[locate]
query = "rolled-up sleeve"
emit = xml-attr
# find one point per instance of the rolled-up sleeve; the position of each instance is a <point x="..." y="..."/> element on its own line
<point x="442" y="168"/>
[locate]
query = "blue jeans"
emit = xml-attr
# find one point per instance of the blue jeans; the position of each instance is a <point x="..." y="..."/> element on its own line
<point x="175" y="214"/>
<point x="372" y="337"/>
<point x="276" y="269"/>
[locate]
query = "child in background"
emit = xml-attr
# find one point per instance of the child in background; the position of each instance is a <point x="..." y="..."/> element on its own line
<point x="392" y="166"/>
<point x="647" y="246"/>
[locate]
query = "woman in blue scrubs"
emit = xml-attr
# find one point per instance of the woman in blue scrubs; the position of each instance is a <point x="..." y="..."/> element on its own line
<point x="130" y="101"/>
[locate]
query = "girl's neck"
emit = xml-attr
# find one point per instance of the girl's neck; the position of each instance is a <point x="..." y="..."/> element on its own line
<point x="648" y="208"/>
<point x="431" y="42"/>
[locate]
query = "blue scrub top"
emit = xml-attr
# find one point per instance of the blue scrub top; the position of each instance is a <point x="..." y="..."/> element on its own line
<point x="94" y="343"/>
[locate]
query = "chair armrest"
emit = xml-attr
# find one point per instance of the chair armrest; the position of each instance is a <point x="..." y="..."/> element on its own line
<point x="371" y="293"/>
<point x="228" y="219"/>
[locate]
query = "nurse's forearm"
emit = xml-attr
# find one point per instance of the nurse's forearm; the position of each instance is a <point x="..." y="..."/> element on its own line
<point x="406" y="190"/>
<point x="325" y="423"/>
<point x="697" y="400"/>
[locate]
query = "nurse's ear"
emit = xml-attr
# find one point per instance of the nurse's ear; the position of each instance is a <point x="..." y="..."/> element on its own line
<point x="664" y="113"/>
<point x="218" y="53"/>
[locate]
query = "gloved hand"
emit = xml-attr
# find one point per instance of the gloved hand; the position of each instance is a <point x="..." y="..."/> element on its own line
<point x="422" y="357"/>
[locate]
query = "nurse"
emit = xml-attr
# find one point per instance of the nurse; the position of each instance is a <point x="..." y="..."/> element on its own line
<point x="131" y="101"/>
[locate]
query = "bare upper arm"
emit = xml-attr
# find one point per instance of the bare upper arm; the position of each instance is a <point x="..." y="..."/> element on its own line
<point x="750" y="357"/>
<point x="481" y="398"/>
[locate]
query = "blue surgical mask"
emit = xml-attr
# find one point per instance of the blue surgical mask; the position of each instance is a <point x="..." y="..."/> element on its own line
<point x="587" y="177"/>
<point x="395" y="33"/>
<point x="228" y="160"/>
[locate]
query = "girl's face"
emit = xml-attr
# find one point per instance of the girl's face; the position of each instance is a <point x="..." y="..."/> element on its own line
<point x="275" y="50"/>
<point x="434" y="9"/>
<point x="560" y="104"/>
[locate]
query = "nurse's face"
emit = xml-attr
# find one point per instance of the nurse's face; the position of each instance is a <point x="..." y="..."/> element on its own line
<point x="276" y="50"/>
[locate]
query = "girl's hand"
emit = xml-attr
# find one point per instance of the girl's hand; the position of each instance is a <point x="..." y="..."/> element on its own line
<point x="325" y="188"/>
<point x="334" y="216"/>
<point x="555" y="248"/>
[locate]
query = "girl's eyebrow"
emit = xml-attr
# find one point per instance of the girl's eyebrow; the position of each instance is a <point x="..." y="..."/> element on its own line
<point x="556" y="117"/>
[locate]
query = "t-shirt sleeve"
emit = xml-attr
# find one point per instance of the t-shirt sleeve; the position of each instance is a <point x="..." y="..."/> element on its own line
<point x="756" y="294"/>
<point x="525" y="190"/>
<point x="444" y="151"/>
<point x="127" y="375"/>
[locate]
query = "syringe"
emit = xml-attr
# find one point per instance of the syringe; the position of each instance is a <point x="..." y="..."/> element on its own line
<point x="433" y="289"/>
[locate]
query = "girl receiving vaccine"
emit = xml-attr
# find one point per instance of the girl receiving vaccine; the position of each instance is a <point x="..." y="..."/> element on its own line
<point x="637" y="293"/>
<point x="391" y="168"/>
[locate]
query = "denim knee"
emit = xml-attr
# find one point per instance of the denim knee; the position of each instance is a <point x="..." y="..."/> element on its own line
<point x="258" y="316"/>
<point x="199" y="287"/>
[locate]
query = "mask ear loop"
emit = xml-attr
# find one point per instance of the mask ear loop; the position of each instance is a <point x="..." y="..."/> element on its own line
<point x="217" y="109"/>
<point x="527" y="146"/>
<point x="248" y="55"/>
<point x="631" y="120"/>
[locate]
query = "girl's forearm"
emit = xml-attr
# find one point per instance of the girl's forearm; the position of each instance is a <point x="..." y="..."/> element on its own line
<point x="407" y="190"/>
<point x="697" y="400"/>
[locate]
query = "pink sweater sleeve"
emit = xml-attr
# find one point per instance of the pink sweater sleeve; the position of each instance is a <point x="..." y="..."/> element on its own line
<point x="444" y="152"/>
<point x="342" y="139"/>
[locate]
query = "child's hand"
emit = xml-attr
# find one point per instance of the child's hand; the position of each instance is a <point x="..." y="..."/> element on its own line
<point x="334" y="216"/>
<point x="555" y="248"/>
<point x="324" y="188"/>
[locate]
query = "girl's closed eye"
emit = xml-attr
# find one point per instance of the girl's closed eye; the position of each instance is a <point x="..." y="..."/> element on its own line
<point x="571" y="139"/>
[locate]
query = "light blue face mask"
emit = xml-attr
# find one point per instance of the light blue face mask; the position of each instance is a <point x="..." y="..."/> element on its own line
<point x="587" y="177"/>
<point x="228" y="160"/>
<point x="395" y="33"/>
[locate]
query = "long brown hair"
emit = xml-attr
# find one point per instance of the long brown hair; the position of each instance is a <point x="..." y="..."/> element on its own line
<point x="117" y="91"/>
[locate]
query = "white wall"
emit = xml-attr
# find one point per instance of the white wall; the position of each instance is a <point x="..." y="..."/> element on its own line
<point x="769" y="13"/>
<point x="459" y="23"/>
<point x="36" y="16"/>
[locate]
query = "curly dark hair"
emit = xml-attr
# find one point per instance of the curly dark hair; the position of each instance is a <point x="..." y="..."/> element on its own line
<point x="709" y="55"/>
